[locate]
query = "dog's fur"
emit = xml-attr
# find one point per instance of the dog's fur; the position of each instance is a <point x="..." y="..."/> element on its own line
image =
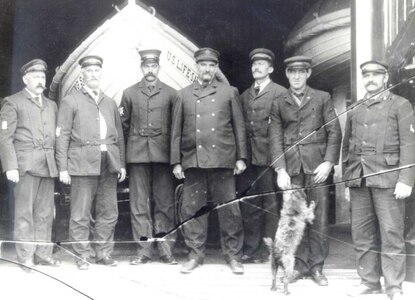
<point x="295" y="214"/>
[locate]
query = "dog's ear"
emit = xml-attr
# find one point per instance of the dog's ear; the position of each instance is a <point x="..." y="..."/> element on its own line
<point x="268" y="241"/>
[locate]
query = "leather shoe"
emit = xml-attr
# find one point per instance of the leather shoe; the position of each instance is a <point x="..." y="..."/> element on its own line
<point x="139" y="260"/>
<point x="83" y="264"/>
<point x="236" y="267"/>
<point x="107" y="261"/>
<point x="189" y="266"/>
<point x="363" y="290"/>
<point x="48" y="261"/>
<point x="169" y="260"/>
<point x="319" y="278"/>
<point x="396" y="296"/>
<point x="27" y="265"/>
<point x="246" y="259"/>
<point x="295" y="275"/>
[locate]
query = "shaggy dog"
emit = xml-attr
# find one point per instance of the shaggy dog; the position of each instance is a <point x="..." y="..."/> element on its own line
<point x="295" y="214"/>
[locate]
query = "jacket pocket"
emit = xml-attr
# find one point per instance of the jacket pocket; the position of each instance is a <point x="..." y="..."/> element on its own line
<point x="391" y="159"/>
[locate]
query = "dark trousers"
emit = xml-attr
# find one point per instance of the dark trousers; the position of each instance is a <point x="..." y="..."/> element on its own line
<point x="260" y="215"/>
<point x="217" y="185"/>
<point x="378" y="236"/>
<point x="100" y="191"/>
<point x="33" y="217"/>
<point x="152" y="205"/>
<point x="314" y="246"/>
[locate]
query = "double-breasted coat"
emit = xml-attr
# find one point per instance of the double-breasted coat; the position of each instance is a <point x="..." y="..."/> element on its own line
<point x="78" y="134"/>
<point x="146" y="119"/>
<point x="290" y="123"/>
<point x="379" y="136"/>
<point x="257" y="115"/>
<point x="27" y="135"/>
<point x="208" y="128"/>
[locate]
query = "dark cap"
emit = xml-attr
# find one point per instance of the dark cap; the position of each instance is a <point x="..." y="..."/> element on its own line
<point x="262" y="53"/>
<point x="91" y="60"/>
<point x="208" y="54"/>
<point x="150" y="55"/>
<point x="375" y="66"/>
<point x="298" y="62"/>
<point x="36" y="65"/>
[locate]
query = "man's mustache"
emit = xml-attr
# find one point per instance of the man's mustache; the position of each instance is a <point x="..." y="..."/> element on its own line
<point x="40" y="85"/>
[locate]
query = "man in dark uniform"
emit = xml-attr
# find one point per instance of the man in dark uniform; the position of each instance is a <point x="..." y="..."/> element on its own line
<point x="256" y="105"/>
<point x="379" y="136"/>
<point x="90" y="156"/>
<point x="306" y="162"/>
<point x="207" y="149"/>
<point x="27" y="148"/>
<point x="146" y="110"/>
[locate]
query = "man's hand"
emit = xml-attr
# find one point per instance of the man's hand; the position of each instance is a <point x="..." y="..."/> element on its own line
<point x="64" y="177"/>
<point x="283" y="179"/>
<point x="322" y="171"/>
<point x="240" y="166"/>
<point x="121" y="175"/>
<point x="178" y="171"/>
<point x="402" y="191"/>
<point x="13" y="175"/>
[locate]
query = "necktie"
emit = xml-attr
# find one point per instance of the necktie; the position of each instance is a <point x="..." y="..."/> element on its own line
<point x="95" y="93"/>
<point x="298" y="95"/>
<point x="150" y="88"/>
<point x="37" y="99"/>
<point x="257" y="91"/>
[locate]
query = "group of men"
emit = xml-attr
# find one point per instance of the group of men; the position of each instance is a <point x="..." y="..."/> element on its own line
<point x="222" y="146"/>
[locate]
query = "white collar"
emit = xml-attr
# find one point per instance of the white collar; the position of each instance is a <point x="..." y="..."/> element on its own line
<point x="263" y="84"/>
<point x="91" y="92"/>
<point x="32" y="94"/>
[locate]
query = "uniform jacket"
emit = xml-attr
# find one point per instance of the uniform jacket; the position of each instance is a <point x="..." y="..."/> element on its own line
<point x="146" y="120"/>
<point x="78" y="134"/>
<point x="380" y="135"/>
<point x="257" y="115"/>
<point x="27" y="135"/>
<point x="208" y="127"/>
<point x="290" y="123"/>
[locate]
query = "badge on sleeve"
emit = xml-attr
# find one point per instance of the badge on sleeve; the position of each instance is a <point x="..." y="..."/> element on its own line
<point x="58" y="131"/>
<point x="4" y="125"/>
<point x="411" y="129"/>
<point x="121" y="110"/>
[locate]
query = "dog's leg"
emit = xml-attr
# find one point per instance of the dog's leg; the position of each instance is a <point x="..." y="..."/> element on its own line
<point x="288" y="264"/>
<point x="274" y="268"/>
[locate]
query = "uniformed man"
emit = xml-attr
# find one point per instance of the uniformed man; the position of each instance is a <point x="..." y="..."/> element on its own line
<point x="90" y="156"/>
<point x="379" y="136"/>
<point x="146" y="110"/>
<point x="256" y="104"/>
<point x="306" y="160"/>
<point x="27" y="148"/>
<point x="207" y="149"/>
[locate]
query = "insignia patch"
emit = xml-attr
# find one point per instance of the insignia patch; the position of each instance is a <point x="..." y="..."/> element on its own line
<point x="121" y="110"/>
<point x="58" y="131"/>
<point x="4" y="125"/>
<point x="411" y="129"/>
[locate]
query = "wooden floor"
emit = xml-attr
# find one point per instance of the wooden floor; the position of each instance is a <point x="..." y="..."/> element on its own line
<point x="213" y="280"/>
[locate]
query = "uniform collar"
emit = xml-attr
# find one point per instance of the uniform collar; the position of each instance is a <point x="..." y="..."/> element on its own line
<point x="31" y="96"/>
<point x="262" y="85"/>
<point x="200" y="91"/>
<point x="379" y="98"/>
<point x="143" y="86"/>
